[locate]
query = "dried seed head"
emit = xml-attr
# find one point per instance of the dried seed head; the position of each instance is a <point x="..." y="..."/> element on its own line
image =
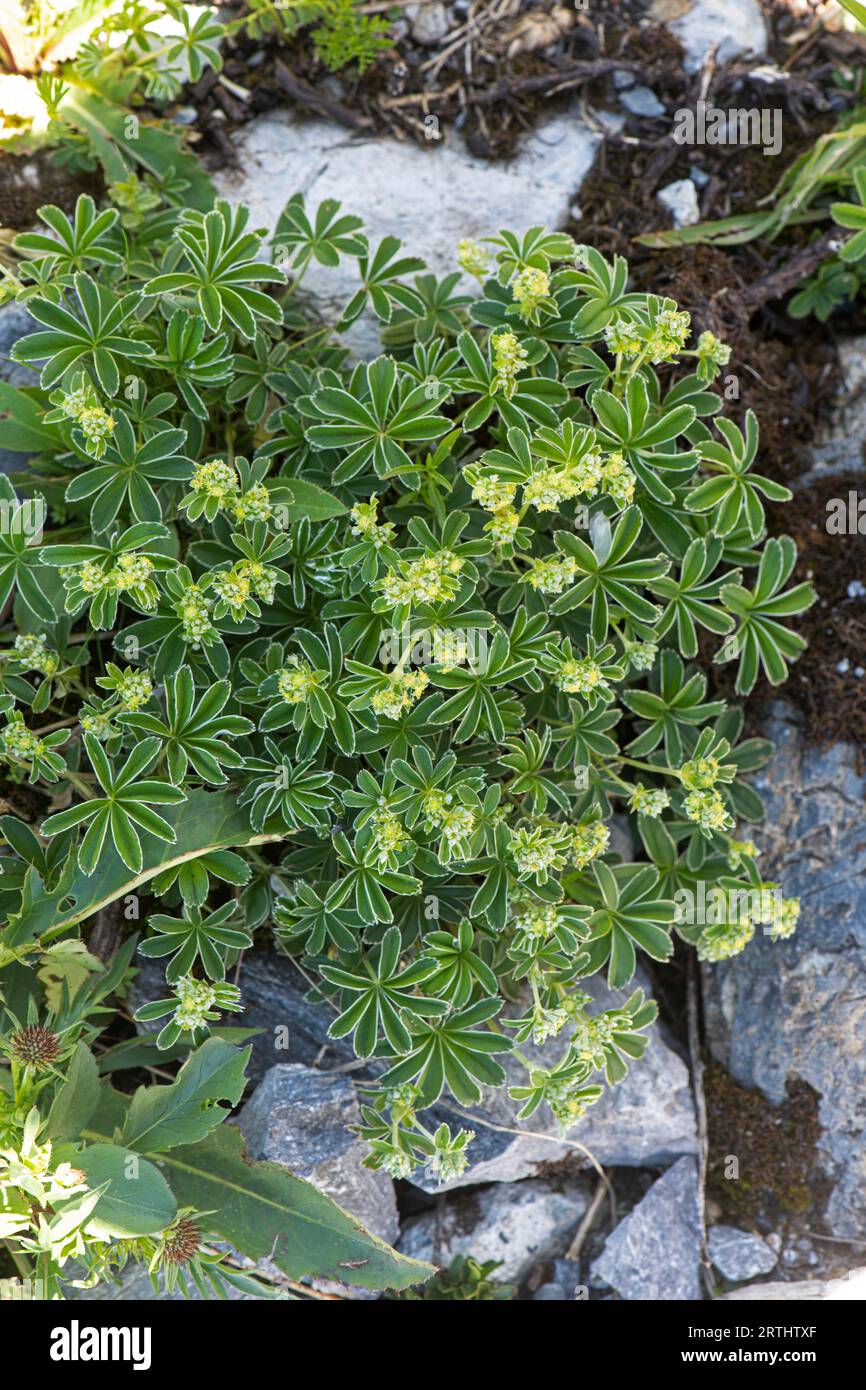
<point x="35" y="1046"/>
<point x="182" y="1243"/>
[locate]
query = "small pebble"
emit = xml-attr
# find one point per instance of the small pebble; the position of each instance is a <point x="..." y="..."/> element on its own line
<point x="843" y="666"/>
<point x="856" y="589"/>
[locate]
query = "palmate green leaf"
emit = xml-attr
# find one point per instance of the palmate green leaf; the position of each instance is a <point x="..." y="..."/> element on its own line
<point x="761" y="641"/>
<point x="220" y="271"/>
<point x="453" y="1053"/>
<point x="126" y="474"/>
<point x="94" y="330"/>
<point x="205" y="821"/>
<point x="162" y="1117"/>
<point x="615" y="579"/>
<point x="371" y="424"/>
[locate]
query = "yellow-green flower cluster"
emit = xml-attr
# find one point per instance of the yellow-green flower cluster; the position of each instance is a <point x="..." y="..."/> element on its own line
<point x="509" y="359"/>
<point x="708" y="809"/>
<point x="401" y="692"/>
<point x="96" y="424"/>
<point x="623" y="339"/>
<point x="233" y="587"/>
<point x="593" y="1036"/>
<point x="579" y="676"/>
<point x="587" y="842"/>
<point x="447" y="649"/>
<point x="98" y="723"/>
<point x="700" y="774"/>
<point x="552" y="575"/>
<point x="738" y="850"/>
<point x="725" y="939"/>
<point x="193" y="609"/>
<point x="642" y="656"/>
<point x="262" y="578"/>
<point x="713" y="351"/>
<point x="566" y="1103"/>
<point x="389" y="837"/>
<point x="429" y="579"/>
<point x="503" y="525"/>
<point x="297" y="681"/>
<point x="785" y="919"/>
<point x="493" y="493"/>
<point x="253" y="505"/>
<point x="669" y="334"/>
<point x="197" y="998"/>
<point x="134" y="689"/>
<point x="19" y="741"/>
<point x="130" y="571"/>
<point x="366" y="524"/>
<point x="217" y="480"/>
<point x="537" y="850"/>
<point x="548" y="488"/>
<point x="34" y="655"/>
<point x="618" y="480"/>
<point x="648" y="801"/>
<point x="547" y="1023"/>
<point x="537" y="923"/>
<point x="531" y="290"/>
<point x="451" y="818"/>
<point x="472" y="258"/>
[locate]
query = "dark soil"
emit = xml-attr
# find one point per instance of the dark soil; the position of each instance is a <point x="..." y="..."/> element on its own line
<point x="29" y="181"/>
<point x="765" y="1173"/>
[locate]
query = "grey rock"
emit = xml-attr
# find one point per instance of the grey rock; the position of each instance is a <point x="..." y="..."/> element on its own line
<point x="429" y="22"/>
<point x="681" y="200"/>
<point x="734" y="26"/>
<point x="654" y="1254"/>
<point x="797" y="1008"/>
<point x="272" y="993"/>
<point x="550" y="1293"/>
<point x="647" y="1120"/>
<point x="641" y="101"/>
<point x="840" y="444"/>
<point x="430" y="199"/>
<point x="739" y="1255"/>
<point x="850" y="1287"/>
<point x="520" y="1226"/>
<point x="15" y="322"/>
<point x="301" y="1118"/>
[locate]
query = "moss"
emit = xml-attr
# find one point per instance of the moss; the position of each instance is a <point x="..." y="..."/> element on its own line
<point x="779" y="1171"/>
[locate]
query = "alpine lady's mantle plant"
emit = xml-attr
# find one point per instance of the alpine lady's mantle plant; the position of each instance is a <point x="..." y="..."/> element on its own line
<point x="373" y="653"/>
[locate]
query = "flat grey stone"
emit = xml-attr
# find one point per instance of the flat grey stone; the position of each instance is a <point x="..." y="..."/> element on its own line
<point x="300" y="1118"/>
<point x="681" y="200"/>
<point x="641" y="101"/>
<point x="736" y="26"/>
<point x="646" y="1120"/>
<point x="850" y="1287"/>
<point x="797" y="1008"/>
<point x="654" y="1254"/>
<point x="429" y="22"/>
<point x="739" y="1255"/>
<point x="430" y="198"/>
<point x="520" y="1225"/>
